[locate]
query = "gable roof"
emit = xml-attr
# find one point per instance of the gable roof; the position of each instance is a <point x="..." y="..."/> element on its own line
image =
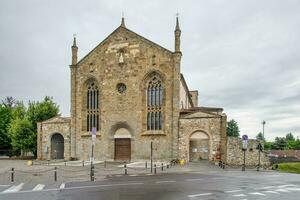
<point x="130" y="31"/>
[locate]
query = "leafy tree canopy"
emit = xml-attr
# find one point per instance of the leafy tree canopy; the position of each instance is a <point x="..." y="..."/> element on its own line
<point x="260" y="136"/>
<point x="5" y="118"/>
<point x="289" y="137"/>
<point x="233" y="128"/>
<point x="22" y="135"/>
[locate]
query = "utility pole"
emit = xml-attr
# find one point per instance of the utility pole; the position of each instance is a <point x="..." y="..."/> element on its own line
<point x="263" y="123"/>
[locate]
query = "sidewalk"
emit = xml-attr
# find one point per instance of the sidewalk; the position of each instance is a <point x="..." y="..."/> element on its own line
<point x="43" y="172"/>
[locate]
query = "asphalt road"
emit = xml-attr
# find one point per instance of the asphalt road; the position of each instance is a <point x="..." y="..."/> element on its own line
<point x="233" y="185"/>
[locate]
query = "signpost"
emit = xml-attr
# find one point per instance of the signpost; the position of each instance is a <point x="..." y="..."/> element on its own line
<point x="94" y="131"/>
<point x="245" y="145"/>
<point x="151" y="155"/>
<point x="260" y="148"/>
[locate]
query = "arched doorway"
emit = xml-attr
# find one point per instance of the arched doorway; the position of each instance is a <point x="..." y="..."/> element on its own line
<point x="199" y="146"/>
<point x="57" y="146"/>
<point x="122" y="144"/>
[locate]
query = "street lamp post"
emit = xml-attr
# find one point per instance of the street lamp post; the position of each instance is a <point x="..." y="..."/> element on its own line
<point x="263" y="123"/>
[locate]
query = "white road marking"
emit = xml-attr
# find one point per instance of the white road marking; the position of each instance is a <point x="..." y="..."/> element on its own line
<point x="62" y="186"/>
<point x="283" y="186"/>
<point x="195" y="179"/>
<point x="75" y="188"/>
<point x="38" y="187"/>
<point x="133" y="175"/>
<point x="165" y="181"/>
<point x="232" y="191"/>
<point x="239" y="195"/>
<point x="14" y="188"/>
<point x="282" y="190"/>
<point x="198" y="195"/>
<point x="273" y="192"/>
<point x="293" y="189"/>
<point x="267" y="187"/>
<point x="257" y="193"/>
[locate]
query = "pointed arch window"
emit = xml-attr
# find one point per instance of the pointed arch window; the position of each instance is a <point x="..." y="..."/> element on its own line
<point x="92" y="107"/>
<point x="154" y="104"/>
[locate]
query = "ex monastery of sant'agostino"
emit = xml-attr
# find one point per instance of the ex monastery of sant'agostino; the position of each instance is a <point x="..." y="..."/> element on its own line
<point x="131" y="91"/>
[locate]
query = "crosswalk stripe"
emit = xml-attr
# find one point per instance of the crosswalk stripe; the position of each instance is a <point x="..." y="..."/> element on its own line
<point x="293" y="189"/>
<point x="198" y="195"/>
<point x="284" y="186"/>
<point x="38" y="187"/>
<point x="257" y="193"/>
<point x="273" y="192"/>
<point x="232" y="191"/>
<point x="239" y="195"/>
<point x="62" y="186"/>
<point x="282" y="190"/>
<point x="14" y="188"/>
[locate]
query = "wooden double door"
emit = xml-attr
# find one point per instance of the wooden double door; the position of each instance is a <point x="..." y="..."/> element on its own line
<point x="122" y="149"/>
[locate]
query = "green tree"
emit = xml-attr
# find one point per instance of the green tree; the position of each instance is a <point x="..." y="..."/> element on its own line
<point x="22" y="135"/>
<point x="5" y="118"/>
<point x="290" y="137"/>
<point x="268" y="145"/>
<point x="233" y="128"/>
<point x="41" y="111"/>
<point x="260" y="136"/>
<point x="280" y="143"/>
<point x="295" y="145"/>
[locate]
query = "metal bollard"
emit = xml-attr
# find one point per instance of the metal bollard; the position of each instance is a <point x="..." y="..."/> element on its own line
<point x="12" y="178"/>
<point x="154" y="168"/>
<point x="92" y="172"/>
<point x="65" y="163"/>
<point x="162" y="166"/>
<point x="55" y="174"/>
<point x="146" y="165"/>
<point x="167" y="166"/>
<point x="125" y="168"/>
<point x="104" y="163"/>
<point x="83" y="163"/>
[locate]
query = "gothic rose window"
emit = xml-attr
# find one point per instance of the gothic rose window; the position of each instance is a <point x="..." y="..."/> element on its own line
<point x="92" y="107"/>
<point x="154" y="104"/>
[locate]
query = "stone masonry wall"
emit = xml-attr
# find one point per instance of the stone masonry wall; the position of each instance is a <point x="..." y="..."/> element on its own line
<point x="45" y="131"/>
<point x="235" y="154"/>
<point x="207" y="123"/>
<point x="140" y="60"/>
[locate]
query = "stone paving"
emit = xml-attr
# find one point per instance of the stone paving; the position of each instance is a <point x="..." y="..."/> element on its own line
<point x="43" y="172"/>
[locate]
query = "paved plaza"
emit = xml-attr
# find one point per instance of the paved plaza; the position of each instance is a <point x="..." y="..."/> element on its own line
<point x="193" y="181"/>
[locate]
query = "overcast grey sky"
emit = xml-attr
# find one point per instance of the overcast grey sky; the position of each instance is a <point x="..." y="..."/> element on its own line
<point x="242" y="55"/>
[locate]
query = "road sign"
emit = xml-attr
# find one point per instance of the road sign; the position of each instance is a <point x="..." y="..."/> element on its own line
<point x="245" y="141"/>
<point x="245" y="137"/>
<point x="94" y="132"/>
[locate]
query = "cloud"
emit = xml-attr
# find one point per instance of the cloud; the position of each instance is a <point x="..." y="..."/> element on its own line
<point x="240" y="55"/>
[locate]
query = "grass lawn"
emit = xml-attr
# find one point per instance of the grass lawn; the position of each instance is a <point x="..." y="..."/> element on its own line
<point x="289" y="167"/>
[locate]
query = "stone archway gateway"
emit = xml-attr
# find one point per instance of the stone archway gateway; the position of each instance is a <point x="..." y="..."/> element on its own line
<point x="122" y="144"/>
<point x="199" y="146"/>
<point x="57" y="146"/>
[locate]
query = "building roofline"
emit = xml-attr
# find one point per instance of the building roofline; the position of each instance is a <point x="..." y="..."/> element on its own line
<point x="122" y="27"/>
<point x="187" y="89"/>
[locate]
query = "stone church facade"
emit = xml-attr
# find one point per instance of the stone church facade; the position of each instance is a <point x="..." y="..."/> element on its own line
<point x="130" y="91"/>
